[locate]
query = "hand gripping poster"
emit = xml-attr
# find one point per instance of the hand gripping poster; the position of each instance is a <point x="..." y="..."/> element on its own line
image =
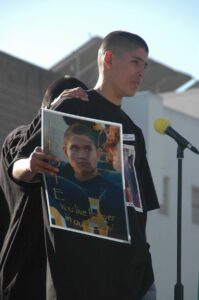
<point x="87" y="195"/>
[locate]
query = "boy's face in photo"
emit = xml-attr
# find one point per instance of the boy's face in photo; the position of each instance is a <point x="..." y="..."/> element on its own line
<point x="82" y="155"/>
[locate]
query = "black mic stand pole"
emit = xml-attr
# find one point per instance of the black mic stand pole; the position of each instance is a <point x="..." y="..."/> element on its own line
<point x="178" y="285"/>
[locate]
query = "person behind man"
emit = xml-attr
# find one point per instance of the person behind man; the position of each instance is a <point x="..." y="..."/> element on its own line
<point x="20" y="268"/>
<point x="120" y="271"/>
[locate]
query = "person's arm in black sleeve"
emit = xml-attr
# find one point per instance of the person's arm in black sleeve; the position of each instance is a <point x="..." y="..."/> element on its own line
<point x="148" y="188"/>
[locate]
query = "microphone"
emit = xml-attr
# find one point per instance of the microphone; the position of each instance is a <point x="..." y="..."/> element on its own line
<point x="162" y="126"/>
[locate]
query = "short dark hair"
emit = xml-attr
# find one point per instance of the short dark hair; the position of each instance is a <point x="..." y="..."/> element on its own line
<point x="81" y="129"/>
<point x="58" y="86"/>
<point x="120" y="41"/>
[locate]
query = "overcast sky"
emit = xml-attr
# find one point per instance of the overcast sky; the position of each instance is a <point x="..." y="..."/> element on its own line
<point x="43" y="32"/>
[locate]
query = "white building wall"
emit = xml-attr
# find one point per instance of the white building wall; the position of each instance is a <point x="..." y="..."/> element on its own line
<point x="162" y="150"/>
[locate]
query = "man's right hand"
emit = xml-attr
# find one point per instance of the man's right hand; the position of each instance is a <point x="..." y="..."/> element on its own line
<point x="27" y="169"/>
<point x="77" y="92"/>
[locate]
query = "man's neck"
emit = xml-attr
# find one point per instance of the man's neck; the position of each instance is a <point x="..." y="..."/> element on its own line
<point x="108" y="93"/>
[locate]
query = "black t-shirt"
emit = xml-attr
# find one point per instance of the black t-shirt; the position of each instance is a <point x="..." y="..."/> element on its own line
<point x="85" y="267"/>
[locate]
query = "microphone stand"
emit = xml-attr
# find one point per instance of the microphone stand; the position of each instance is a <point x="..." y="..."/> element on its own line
<point x="178" y="285"/>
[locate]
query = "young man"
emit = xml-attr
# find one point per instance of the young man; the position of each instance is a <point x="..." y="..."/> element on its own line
<point x="21" y="271"/>
<point x="88" y="268"/>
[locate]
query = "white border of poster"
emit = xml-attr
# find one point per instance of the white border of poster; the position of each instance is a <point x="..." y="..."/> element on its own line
<point x="97" y="206"/>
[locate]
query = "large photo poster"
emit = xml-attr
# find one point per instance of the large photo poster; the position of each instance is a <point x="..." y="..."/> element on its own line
<point x="87" y="195"/>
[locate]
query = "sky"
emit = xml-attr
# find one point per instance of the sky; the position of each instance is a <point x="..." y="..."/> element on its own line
<point x="43" y="32"/>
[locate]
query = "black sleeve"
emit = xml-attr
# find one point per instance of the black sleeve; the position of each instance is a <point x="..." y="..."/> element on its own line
<point x="17" y="147"/>
<point x="148" y="187"/>
<point x="11" y="143"/>
<point x="19" y="138"/>
<point x="28" y="147"/>
<point x="146" y="179"/>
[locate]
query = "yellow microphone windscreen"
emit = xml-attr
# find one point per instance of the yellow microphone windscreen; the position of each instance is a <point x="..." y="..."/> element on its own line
<point x="160" y="125"/>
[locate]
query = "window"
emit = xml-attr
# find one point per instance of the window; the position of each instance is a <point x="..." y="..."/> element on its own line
<point x="195" y="204"/>
<point x="164" y="207"/>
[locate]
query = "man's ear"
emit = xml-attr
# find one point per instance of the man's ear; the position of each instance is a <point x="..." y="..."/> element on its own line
<point x="108" y="57"/>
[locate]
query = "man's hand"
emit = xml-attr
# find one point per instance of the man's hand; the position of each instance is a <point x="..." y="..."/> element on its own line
<point x="38" y="162"/>
<point x="77" y="92"/>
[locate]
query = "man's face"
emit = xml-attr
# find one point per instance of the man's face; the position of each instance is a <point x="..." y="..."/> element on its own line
<point x="82" y="156"/>
<point x="127" y="72"/>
